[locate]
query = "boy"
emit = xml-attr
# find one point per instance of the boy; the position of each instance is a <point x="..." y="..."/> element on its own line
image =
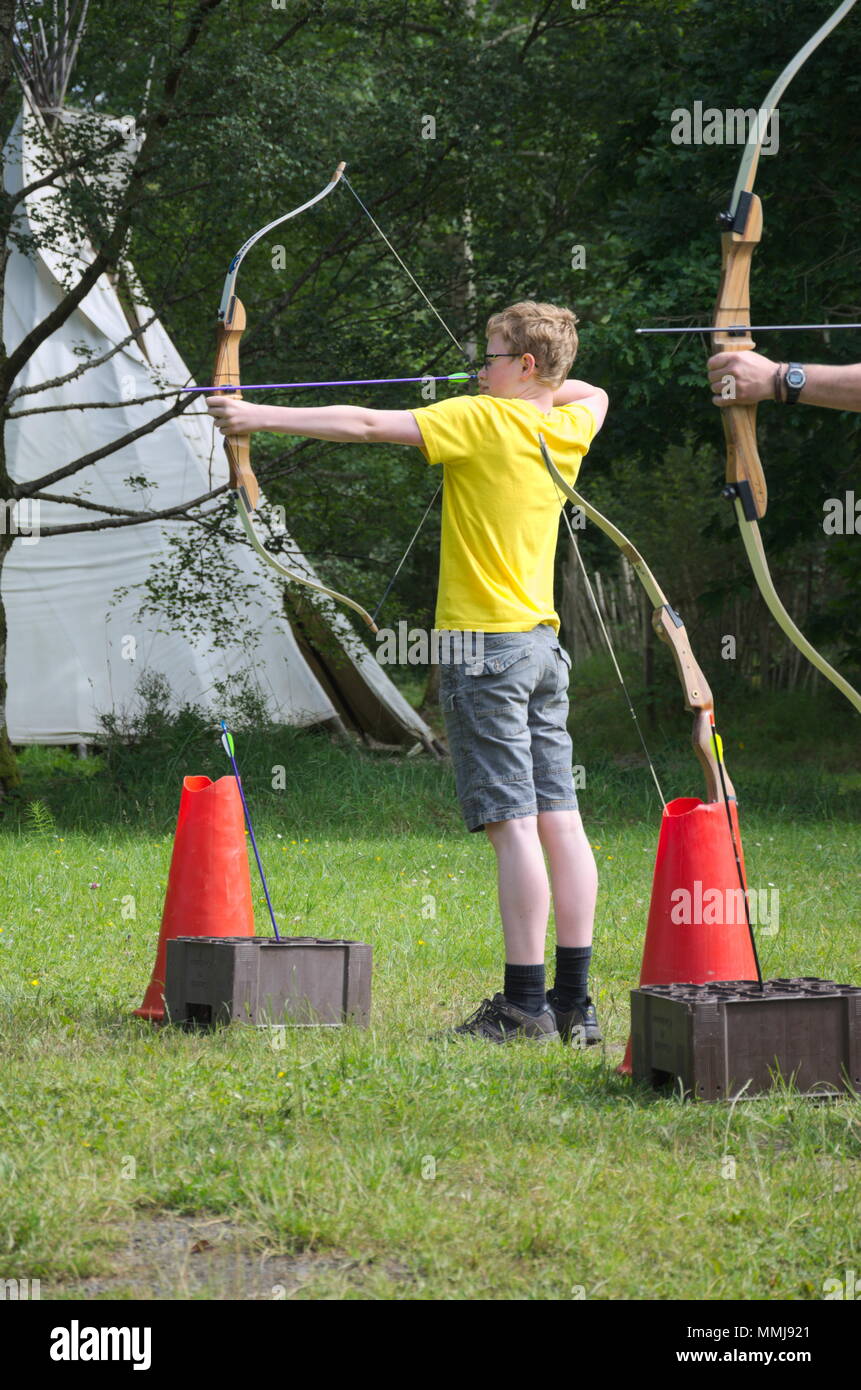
<point x="506" y="713"/>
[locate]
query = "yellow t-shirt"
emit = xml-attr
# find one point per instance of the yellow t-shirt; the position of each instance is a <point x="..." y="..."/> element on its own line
<point x="500" y="508"/>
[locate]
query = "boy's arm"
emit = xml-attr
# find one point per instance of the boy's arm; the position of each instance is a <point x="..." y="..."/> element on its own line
<point x="348" y="424"/>
<point x="583" y="393"/>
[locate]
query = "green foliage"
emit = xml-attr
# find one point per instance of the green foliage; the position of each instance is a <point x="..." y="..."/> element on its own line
<point x="39" y="818"/>
<point x="526" y="157"/>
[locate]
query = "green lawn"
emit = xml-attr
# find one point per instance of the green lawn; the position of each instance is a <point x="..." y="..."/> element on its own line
<point x="146" y="1162"/>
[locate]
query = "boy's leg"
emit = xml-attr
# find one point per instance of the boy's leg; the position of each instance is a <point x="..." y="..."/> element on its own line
<point x="524" y="904"/>
<point x="573" y="875"/>
<point x="485" y="703"/>
<point x="524" y="893"/>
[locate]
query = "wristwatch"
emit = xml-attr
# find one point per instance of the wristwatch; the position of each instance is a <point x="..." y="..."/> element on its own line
<point x="796" y="380"/>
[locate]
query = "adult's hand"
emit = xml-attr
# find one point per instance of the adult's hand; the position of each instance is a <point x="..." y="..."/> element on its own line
<point x="753" y="375"/>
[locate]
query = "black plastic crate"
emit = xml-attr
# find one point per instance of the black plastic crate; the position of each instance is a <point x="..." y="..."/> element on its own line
<point x="720" y="1039"/>
<point x="300" y="981"/>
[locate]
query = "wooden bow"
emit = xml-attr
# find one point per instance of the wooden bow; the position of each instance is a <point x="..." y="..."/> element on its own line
<point x="745" y="479"/>
<point x="670" y="628"/>
<point x="243" y="483"/>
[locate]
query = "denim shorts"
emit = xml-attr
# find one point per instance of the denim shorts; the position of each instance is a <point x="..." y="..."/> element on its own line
<point x="506" y="717"/>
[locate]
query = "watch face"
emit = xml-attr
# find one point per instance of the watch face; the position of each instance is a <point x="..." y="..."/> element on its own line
<point x="795" y="377"/>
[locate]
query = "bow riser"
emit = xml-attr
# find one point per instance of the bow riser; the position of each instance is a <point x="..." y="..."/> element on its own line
<point x="228" y="336"/>
<point x="743" y="466"/>
<point x="244" y="485"/>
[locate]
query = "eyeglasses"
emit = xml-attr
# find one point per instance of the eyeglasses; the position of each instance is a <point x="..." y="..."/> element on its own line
<point x="489" y="356"/>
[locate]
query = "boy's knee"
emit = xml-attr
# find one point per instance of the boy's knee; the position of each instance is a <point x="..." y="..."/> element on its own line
<point x="500" y="831"/>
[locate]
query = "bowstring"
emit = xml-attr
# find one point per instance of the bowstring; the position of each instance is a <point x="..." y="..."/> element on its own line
<point x="391" y="582"/>
<point x="461" y="352"/>
<point x="406" y="269"/>
<point x="608" y="641"/>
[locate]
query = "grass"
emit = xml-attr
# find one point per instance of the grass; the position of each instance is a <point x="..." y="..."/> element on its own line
<point x="379" y="1164"/>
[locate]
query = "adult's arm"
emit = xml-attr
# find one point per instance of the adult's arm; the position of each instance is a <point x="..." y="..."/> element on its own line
<point x="838" y="388"/>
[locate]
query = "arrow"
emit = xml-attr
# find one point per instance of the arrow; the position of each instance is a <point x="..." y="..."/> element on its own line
<point x="227" y="744"/>
<point x="754" y="328"/>
<point x="354" y="381"/>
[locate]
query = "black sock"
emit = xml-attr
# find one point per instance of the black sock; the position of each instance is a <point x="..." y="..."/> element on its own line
<point x="572" y="974"/>
<point x="525" y="986"/>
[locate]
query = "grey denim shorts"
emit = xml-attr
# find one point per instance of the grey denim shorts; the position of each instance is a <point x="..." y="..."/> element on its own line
<point x="505" y="717"/>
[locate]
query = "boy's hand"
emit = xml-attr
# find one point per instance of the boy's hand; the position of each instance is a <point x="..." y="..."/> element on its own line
<point x="573" y="392"/>
<point x="234" y="416"/>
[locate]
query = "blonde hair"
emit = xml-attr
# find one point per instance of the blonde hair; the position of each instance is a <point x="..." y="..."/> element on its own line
<point x="545" y="330"/>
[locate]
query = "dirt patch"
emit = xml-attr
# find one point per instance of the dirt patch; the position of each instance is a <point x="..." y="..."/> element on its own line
<point x="177" y="1257"/>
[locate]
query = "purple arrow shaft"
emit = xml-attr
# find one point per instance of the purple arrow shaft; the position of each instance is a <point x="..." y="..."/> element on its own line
<point x="299" y="385"/>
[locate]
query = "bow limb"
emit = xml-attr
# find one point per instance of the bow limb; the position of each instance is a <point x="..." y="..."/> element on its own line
<point x="252" y="534"/>
<point x="745" y="479"/>
<point x="671" y="629"/>
<point x="233" y="269"/>
<point x="759" y="564"/>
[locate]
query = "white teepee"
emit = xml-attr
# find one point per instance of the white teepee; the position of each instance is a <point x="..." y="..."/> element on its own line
<point x="77" y="647"/>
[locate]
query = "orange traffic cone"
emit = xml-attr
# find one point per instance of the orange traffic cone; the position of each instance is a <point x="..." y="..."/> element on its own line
<point x="209" y="886"/>
<point x="697" y="929"/>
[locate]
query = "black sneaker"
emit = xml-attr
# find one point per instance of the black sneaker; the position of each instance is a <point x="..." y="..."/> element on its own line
<point x="577" y="1023"/>
<point x="500" y="1021"/>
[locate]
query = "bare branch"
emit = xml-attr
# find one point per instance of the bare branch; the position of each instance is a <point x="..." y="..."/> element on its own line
<point x="99" y="405"/>
<point x="294" y="29"/>
<point x="85" y="461"/>
<point x="500" y="38"/>
<point x="19" y="391"/>
<point x="69" y="167"/>
<point x="131" y="518"/>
